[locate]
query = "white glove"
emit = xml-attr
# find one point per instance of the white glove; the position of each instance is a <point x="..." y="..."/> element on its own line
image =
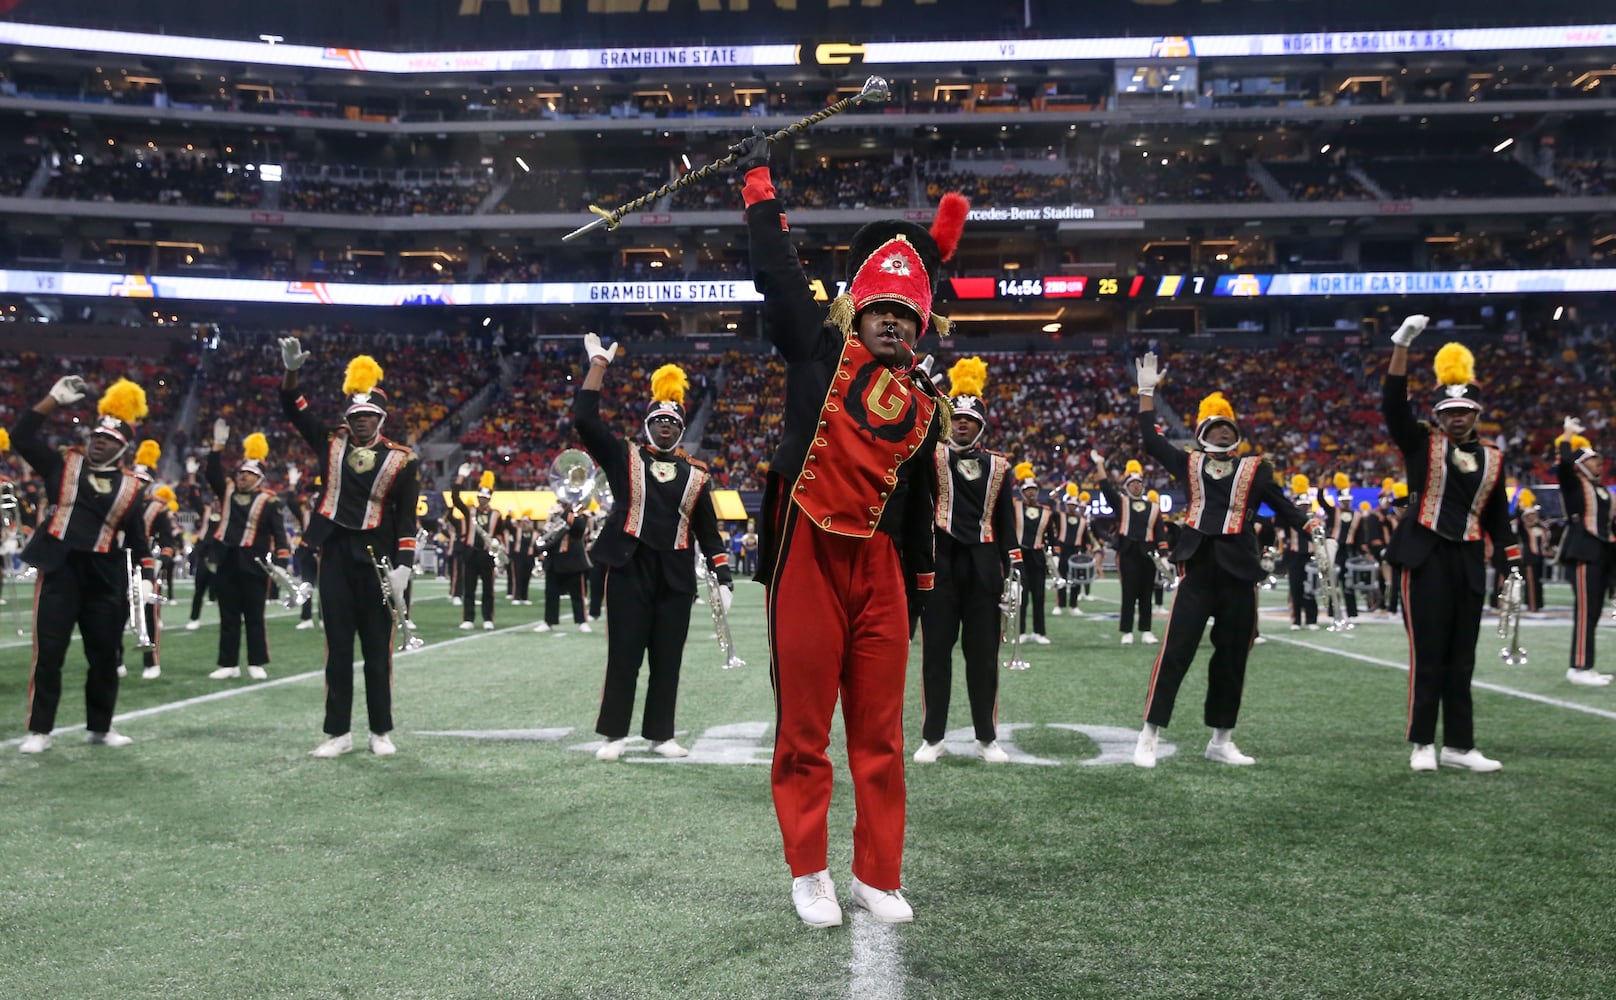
<point x="726" y="597"/>
<point x="68" y="389"/>
<point x="1099" y="459"/>
<point x="292" y="353"/>
<point x="221" y="432"/>
<point x="148" y="594"/>
<point x="1572" y="426"/>
<point x="1410" y="329"/>
<point x="592" y="346"/>
<point x="191" y="464"/>
<point x="463" y="471"/>
<point x="293" y="474"/>
<point x="399" y="577"/>
<point x="1147" y="375"/>
<point x="926" y="367"/>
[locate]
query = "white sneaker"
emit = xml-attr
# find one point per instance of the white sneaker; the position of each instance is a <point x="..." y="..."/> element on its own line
<point x="225" y="674"/>
<point x="611" y="749"/>
<point x="1144" y="751"/>
<point x="992" y="752"/>
<point x="1469" y="760"/>
<point x="1148" y="638"/>
<point x="1313" y="627"/>
<point x="1423" y="758"/>
<point x="1259" y="640"/>
<point x="306" y="623"/>
<point x="542" y="627"/>
<point x="886" y="905"/>
<point x="466" y="626"/>
<point x="1127" y="638"/>
<point x="382" y="745"/>
<point x="110" y="738"/>
<point x="336" y="746"/>
<point x="1587" y="678"/>
<point x="192" y="625"/>
<point x="928" y="753"/>
<point x="35" y="743"/>
<point x="1227" y="753"/>
<point x="1040" y="638"/>
<point x="123" y="671"/>
<point x="152" y="672"/>
<point x="669" y="748"/>
<point x="1295" y="627"/>
<point x="1057" y="612"/>
<point x="409" y="625"/>
<point x="814" y="896"/>
<point x="488" y="626"/>
<point x="257" y="673"/>
<point x="584" y="627"/>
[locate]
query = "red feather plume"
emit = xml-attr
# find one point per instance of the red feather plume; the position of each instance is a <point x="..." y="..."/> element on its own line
<point x="950" y="223"/>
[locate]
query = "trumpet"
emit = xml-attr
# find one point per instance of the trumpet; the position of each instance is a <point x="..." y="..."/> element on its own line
<point x="1509" y="618"/>
<point x="1166" y="576"/>
<point x="1010" y="619"/>
<point x="1052" y="561"/>
<point x="137" y="607"/>
<point x="1269" y="561"/>
<point x="1329" y="588"/>
<point x="394" y="603"/>
<point x="715" y="604"/>
<point x="495" y="546"/>
<point x="296" y="593"/>
<point x="8" y="509"/>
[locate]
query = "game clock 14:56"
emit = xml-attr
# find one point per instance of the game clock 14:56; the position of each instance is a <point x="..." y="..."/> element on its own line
<point x="1021" y="288"/>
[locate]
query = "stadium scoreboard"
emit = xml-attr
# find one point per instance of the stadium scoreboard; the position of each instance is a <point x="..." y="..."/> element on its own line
<point x="1137" y="287"/>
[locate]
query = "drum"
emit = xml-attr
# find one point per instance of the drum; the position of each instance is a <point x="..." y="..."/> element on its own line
<point x="1363" y="574"/>
<point x="1080" y="570"/>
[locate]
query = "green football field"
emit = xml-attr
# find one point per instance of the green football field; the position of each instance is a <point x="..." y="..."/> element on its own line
<point x="495" y="857"/>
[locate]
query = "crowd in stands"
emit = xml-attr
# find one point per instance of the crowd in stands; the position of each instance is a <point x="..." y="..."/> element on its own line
<point x="380" y="197"/>
<point x="154" y="177"/>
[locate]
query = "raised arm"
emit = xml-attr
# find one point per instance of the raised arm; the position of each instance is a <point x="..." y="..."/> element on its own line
<point x="597" y="436"/>
<point x="25" y="437"/>
<point x="293" y="405"/>
<point x="1406" y="430"/>
<point x="794" y="322"/>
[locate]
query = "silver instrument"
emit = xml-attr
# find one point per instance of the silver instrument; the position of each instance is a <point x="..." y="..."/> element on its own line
<point x="394" y="603"/>
<point x="297" y="594"/>
<point x="1269" y="561"/>
<point x="137" y="607"/>
<point x="494" y="546"/>
<point x="1510" y="602"/>
<point x="1166" y="575"/>
<point x="1010" y="619"/>
<point x="10" y="511"/>
<point x="1052" y="562"/>
<point x="715" y="604"/>
<point x="1329" y="588"/>
<point x="573" y="479"/>
<point x="603" y="493"/>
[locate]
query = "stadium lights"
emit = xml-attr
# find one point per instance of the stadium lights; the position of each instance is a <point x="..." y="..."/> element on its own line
<point x="1324" y="149"/>
<point x="1052" y="328"/>
<point x="523" y="164"/>
<point x="1503" y="145"/>
<point x="1559" y="311"/>
<point x="487" y="320"/>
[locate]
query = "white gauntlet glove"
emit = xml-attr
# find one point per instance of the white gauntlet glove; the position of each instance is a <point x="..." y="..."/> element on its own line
<point x="399" y="577"/>
<point x="292" y="353"/>
<point x="69" y="389"/>
<point x="293" y="475"/>
<point x="221" y="432"/>
<point x="1411" y="328"/>
<point x="726" y="597"/>
<point x="1147" y="375"/>
<point x="595" y="351"/>
<point x="464" y="471"/>
<point x="148" y="593"/>
<point x="1097" y="458"/>
<point x="191" y="464"/>
<point x="1572" y="426"/>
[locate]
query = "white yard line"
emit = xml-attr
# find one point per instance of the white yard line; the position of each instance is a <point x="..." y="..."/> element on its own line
<point x="877" y="964"/>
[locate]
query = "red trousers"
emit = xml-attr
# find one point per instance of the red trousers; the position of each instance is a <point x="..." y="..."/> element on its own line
<point x="839" y="626"/>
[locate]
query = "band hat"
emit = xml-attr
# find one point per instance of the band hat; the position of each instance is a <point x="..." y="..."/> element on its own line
<point x="1527" y="500"/>
<point x="1023" y="475"/>
<point x="967" y="378"/>
<point x="359" y="384"/>
<point x="121" y="406"/>
<point x="1215" y="409"/>
<point x="668" y="385"/>
<point x="146" y="458"/>
<point x="899" y="262"/>
<point x="485" y="486"/>
<point x="1455" y="378"/>
<point x="1133" y="471"/>
<point x="254" y="449"/>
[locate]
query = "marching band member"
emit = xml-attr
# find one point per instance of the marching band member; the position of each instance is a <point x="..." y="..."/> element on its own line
<point x="204" y="552"/>
<point x="1456" y="492"/>
<point x="480" y="528"/>
<point x="1032" y="520"/>
<point x="976" y="549"/>
<point x="1139" y="532"/>
<point x="1587" y="548"/>
<point x="304" y="558"/>
<point x="596" y="583"/>
<point x="847" y="531"/>
<point x="365" y="513"/>
<point x="663" y="498"/>
<point x="162" y="538"/>
<point x="252" y="527"/>
<point x="566" y="565"/>
<point x="1368" y="541"/>
<point x="1339" y="518"/>
<point x="83" y="575"/>
<point x="1219" y="566"/>
<point x="1304" y="594"/>
<point x="520" y="548"/>
<point x="1075" y="536"/>
<point x="1534" y="538"/>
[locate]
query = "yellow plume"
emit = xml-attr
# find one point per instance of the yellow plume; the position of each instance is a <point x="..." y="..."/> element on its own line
<point x="124" y="400"/>
<point x="362" y="375"/>
<point x="1071" y="490"/>
<point x="669" y="383"/>
<point x="1455" y="365"/>
<point x="1363" y="505"/>
<point x="1152" y="496"/>
<point x="1214" y="406"/>
<point x="5" y="439"/>
<point x="1341" y="481"/>
<point x="255" y="447"/>
<point x="148" y="453"/>
<point x="1578" y="442"/>
<point x="486" y="482"/>
<point x="1299" y="484"/>
<point x="173" y="505"/>
<point x="967" y="377"/>
<point x="1084" y="497"/>
<point x="1387" y="483"/>
<point x="1400" y="490"/>
<point x="166" y="494"/>
<point x="1133" y="468"/>
<point x="1023" y="470"/>
<point x="1527" y="498"/>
